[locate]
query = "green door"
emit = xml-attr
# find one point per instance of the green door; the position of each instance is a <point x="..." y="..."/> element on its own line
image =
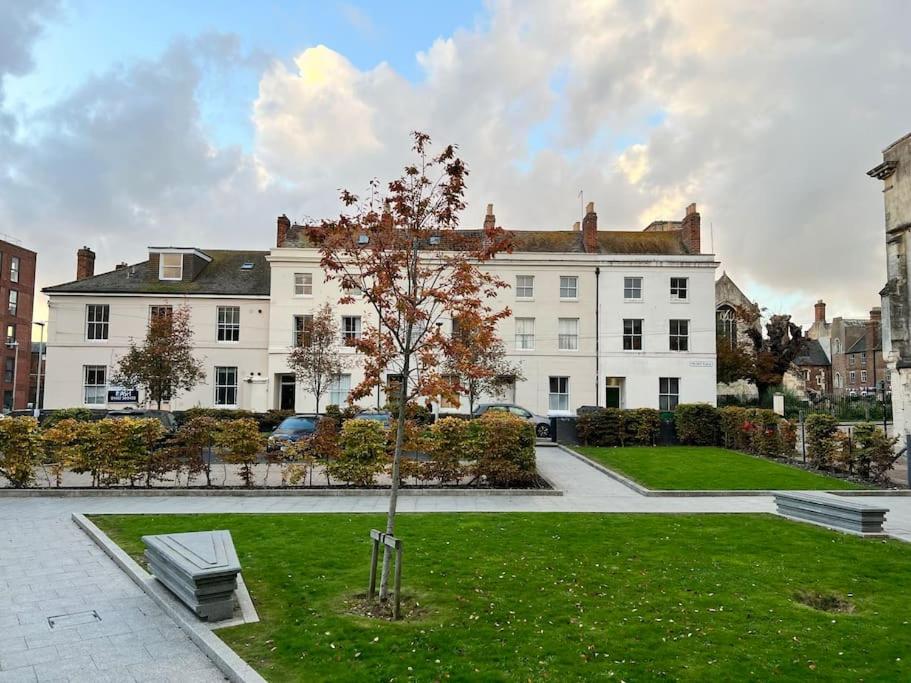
<point x="612" y="397"/>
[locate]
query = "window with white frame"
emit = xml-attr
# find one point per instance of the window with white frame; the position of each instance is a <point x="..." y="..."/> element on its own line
<point x="159" y="312"/>
<point x="525" y="286"/>
<point x="632" y="334"/>
<point x="228" y="324"/>
<point x="863" y="358"/>
<point x="13" y="301"/>
<point x="9" y="369"/>
<point x="558" y="396"/>
<point x="10" y="334"/>
<point x="668" y="393"/>
<point x="351" y="327"/>
<point x="339" y="390"/>
<point x="679" y="288"/>
<point x="225" y="385"/>
<point x="852" y="377"/>
<point x="568" y="334"/>
<point x="94" y="390"/>
<point x="97" y="319"/>
<point x="632" y="288"/>
<point x="170" y="266"/>
<point x="806" y="375"/>
<point x="852" y="359"/>
<point x="303" y="284"/>
<point x="303" y="327"/>
<point x="14" y="269"/>
<point x="838" y="380"/>
<point x="569" y="287"/>
<point x="863" y="376"/>
<point x="680" y="335"/>
<point x="525" y="333"/>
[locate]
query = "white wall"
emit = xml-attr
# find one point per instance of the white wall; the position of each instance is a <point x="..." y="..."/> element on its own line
<point x="68" y="350"/>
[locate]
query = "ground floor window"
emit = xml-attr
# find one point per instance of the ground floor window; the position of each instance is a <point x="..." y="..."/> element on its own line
<point x="668" y="393"/>
<point x="8" y="400"/>
<point x="339" y="390"/>
<point x="95" y="384"/>
<point x="558" y="398"/>
<point x="225" y="386"/>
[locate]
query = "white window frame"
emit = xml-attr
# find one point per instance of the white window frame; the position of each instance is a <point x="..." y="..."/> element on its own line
<point x="863" y="376"/>
<point x="569" y="288"/>
<point x="296" y="335"/>
<point x="528" y="285"/>
<point x="163" y="267"/>
<point x="354" y="333"/>
<point x="629" y="285"/>
<point x="103" y="395"/>
<point x="222" y="384"/>
<point x="303" y="285"/>
<point x="13" y="302"/>
<point x="227" y="327"/>
<point x="679" y="336"/>
<point x="675" y="297"/>
<point x="670" y="392"/>
<point x="339" y="389"/>
<point x="852" y="377"/>
<point x="98" y="325"/>
<point x="14" y="269"/>
<point x="633" y="335"/>
<point x="525" y="340"/>
<point x="567" y="341"/>
<point x="558" y="397"/>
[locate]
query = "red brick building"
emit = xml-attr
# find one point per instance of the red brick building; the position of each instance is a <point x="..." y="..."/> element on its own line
<point x="17" y="296"/>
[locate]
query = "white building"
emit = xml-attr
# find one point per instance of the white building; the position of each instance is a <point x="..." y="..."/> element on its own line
<point x="621" y="318"/>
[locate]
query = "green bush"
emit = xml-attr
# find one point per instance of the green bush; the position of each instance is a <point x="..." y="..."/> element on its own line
<point x="762" y="427"/>
<point x="503" y="448"/>
<point x="78" y="414"/>
<point x="616" y="427"/>
<point x="240" y="442"/>
<point x="696" y="424"/>
<point x="641" y="427"/>
<point x="822" y="442"/>
<point x="874" y="453"/>
<point x="362" y="453"/>
<point x="20" y="450"/>
<point x="447" y="446"/>
<point x="733" y="422"/>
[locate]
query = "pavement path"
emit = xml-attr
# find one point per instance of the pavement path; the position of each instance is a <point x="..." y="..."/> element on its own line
<point x="48" y="567"/>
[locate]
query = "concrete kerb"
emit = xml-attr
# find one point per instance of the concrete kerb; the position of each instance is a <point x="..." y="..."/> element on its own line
<point x="689" y="493"/>
<point x="227" y="661"/>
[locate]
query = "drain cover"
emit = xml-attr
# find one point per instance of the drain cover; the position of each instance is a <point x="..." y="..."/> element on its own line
<point x="73" y="619"/>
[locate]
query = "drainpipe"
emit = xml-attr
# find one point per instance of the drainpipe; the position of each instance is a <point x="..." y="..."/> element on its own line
<point x="598" y="336"/>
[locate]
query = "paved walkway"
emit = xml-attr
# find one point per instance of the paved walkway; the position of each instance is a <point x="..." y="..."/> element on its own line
<point x="48" y="567"/>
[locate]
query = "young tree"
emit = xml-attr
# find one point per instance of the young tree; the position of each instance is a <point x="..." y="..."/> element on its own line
<point x="402" y="252"/>
<point x="318" y="360"/>
<point x="479" y="361"/>
<point x="163" y="365"/>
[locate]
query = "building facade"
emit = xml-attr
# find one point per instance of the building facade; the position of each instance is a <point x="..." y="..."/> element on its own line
<point x="17" y="295"/>
<point x="623" y="318"/>
<point x="895" y="174"/>
<point x="731" y="306"/>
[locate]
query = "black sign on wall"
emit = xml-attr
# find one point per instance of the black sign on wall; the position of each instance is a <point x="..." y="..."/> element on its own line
<point x="123" y="396"/>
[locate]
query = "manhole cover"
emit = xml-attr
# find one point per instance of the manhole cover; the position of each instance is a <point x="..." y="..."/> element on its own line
<point x="73" y="619"/>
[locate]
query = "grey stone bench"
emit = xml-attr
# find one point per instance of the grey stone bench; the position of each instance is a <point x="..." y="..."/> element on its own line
<point x="200" y="568"/>
<point x="832" y="511"/>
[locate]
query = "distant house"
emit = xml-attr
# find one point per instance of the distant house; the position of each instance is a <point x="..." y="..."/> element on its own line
<point x="812" y="373"/>
<point x="730" y="304"/>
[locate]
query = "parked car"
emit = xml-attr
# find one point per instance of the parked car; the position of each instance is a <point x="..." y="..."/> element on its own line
<point x="384" y="417"/>
<point x="542" y="424"/>
<point x="167" y="419"/>
<point x="292" y="429"/>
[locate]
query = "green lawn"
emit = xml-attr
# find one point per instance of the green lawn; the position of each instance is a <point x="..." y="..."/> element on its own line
<point x="565" y="597"/>
<point x="705" y="468"/>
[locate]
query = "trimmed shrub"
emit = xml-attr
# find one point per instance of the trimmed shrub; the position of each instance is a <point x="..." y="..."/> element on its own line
<point x="875" y="452"/>
<point x="241" y="443"/>
<point x="762" y="426"/>
<point x="614" y="427"/>
<point x="733" y="423"/>
<point x="503" y="446"/>
<point x="641" y="426"/>
<point x="822" y="443"/>
<point x="787" y="432"/>
<point x="61" y="447"/>
<point x="129" y="448"/>
<point x="362" y="453"/>
<point x="192" y="446"/>
<point x="20" y="450"/>
<point x="696" y="424"/>
<point x="447" y="446"/>
<point x="78" y="414"/>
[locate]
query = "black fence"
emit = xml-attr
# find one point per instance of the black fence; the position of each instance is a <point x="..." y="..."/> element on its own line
<point x="842" y="408"/>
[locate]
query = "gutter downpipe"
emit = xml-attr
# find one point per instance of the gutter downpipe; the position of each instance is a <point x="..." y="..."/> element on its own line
<point x="598" y="336"/>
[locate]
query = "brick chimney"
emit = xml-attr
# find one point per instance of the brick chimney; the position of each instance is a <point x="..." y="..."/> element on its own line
<point x="121" y="265"/>
<point x="577" y="226"/>
<point x="820" y="308"/>
<point x="281" y="233"/>
<point x="85" y="263"/>
<point x="590" y="229"/>
<point x="876" y="314"/>
<point x="490" y="221"/>
<point x="691" y="228"/>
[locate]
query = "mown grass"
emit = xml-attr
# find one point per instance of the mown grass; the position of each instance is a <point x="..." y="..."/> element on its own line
<point x="565" y="597"/>
<point x="707" y="468"/>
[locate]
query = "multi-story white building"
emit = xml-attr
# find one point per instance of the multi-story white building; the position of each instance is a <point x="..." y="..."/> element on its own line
<point x="619" y="318"/>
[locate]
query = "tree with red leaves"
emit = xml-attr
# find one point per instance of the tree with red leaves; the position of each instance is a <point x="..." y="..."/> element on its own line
<point x="401" y="252"/>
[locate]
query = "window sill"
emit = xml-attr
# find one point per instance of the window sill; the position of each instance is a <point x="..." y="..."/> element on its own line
<point x="524" y="300"/>
<point x="302" y="296"/>
<point x="679" y="301"/>
<point x="569" y="299"/>
<point x="633" y="301"/>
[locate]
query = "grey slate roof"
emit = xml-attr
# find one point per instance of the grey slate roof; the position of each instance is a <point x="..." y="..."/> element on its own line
<point x="860" y="346"/>
<point x="811" y="353"/>
<point x="223" y="275"/>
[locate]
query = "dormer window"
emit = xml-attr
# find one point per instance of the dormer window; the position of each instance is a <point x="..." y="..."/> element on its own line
<point x="170" y="267"/>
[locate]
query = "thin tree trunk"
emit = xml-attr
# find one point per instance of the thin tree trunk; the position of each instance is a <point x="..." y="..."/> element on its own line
<point x="394" y="489"/>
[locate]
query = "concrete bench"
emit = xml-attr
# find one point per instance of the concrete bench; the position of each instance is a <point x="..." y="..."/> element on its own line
<point x="200" y="568"/>
<point x="832" y="511"/>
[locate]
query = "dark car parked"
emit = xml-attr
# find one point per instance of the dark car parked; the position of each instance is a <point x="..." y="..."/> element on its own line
<point x="293" y="429"/>
<point x="167" y="419"/>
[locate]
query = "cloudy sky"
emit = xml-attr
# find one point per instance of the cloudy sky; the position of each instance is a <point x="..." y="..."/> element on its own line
<point x="129" y="124"/>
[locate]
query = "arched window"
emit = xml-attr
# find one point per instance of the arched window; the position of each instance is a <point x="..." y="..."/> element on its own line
<point x="726" y="324"/>
<point x="838" y="384"/>
<point x="836" y="345"/>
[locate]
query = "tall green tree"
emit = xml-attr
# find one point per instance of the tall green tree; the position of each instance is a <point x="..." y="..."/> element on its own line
<point x="163" y="365"/>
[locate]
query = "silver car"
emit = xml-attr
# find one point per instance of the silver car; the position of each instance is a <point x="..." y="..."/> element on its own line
<point x="542" y="424"/>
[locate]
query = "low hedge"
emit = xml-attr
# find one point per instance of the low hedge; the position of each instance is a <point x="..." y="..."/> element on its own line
<point x="616" y="427"/>
<point x="697" y="424"/>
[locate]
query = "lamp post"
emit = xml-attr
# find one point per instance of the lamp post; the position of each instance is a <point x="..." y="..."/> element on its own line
<point x="38" y="401"/>
<point x="13" y="344"/>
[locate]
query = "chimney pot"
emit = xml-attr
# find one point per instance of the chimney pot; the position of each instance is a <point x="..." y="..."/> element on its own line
<point x="85" y="263"/>
<point x="691" y="209"/>
<point x="589" y="208"/>
<point x="281" y="234"/>
<point x="577" y="226"/>
<point x="121" y="265"/>
<point x="490" y="221"/>
<point x="820" y="309"/>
